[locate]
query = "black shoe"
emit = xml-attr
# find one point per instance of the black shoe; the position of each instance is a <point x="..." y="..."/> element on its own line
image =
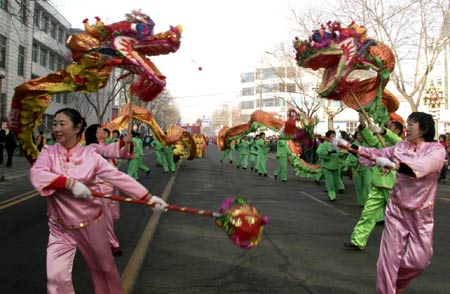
<point x="275" y="177"/>
<point x="317" y="182"/>
<point x="251" y="168"/>
<point x="148" y="172"/>
<point x="260" y="174"/>
<point x="284" y="181"/>
<point x="265" y="175"/>
<point x="221" y="161"/>
<point x="231" y="161"/>
<point x="351" y="246"/>
<point x="244" y="168"/>
<point x="380" y="223"/>
<point x="341" y="191"/>
<point x="332" y="200"/>
<point x="116" y="251"/>
<point x="237" y="166"/>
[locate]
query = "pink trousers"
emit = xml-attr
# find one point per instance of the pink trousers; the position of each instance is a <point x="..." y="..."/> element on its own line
<point x="406" y="247"/>
<point x="93" y="243"/>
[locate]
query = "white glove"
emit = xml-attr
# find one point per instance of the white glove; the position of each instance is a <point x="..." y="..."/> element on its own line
<point x="376" y="129"/>
<point x="339" y="143"/>
<point x="79" y="190"/>
<point x="160" y="204"/>
<point x="385" y="162"/>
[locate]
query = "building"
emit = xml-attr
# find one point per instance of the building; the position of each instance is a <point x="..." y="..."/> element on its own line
<point x="276" y="89"/>
<point x="33" y="38"/>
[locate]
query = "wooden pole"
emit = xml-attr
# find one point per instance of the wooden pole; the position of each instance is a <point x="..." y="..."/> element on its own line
<point x="366" y="116"/>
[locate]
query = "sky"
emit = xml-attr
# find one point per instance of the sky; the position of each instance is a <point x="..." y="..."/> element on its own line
<point x="225" y="38"/>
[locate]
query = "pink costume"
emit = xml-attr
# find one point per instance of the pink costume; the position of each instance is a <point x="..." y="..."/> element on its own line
<point x="111" y="208"/>
<point x="407" y="242"/>
<point x="78" y="223"/>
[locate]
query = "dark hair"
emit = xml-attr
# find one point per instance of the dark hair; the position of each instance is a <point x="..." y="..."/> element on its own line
<point x="107" y="130"/>
<point x="116" y="132"/>
<point x="426" y="124"/>
<point x="90" y="135"/>
<point x="75" y="118"/>
<point x="329" y="133"/>
<point x="398" y="126"/>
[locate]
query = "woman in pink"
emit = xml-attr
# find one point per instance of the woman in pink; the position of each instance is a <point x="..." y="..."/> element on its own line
<point x="65" y="173"/>
<point x="95" y="137"/>
<point x="407" y="242"/>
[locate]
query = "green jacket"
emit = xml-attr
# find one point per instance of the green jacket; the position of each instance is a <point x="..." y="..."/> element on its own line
<point x="329" y="158"/>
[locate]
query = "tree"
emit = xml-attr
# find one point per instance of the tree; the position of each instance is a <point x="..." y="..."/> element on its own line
<point x="416" y="31"/>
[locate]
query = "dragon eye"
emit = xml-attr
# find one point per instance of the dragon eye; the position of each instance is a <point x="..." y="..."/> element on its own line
<point x="336" y="34"/>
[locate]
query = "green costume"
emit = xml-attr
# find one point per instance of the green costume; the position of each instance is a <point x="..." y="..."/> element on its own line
<point x="243" y="148"/>
<point x="382" y="181"/>
<point x="167" y="159"/>
<point x="329" y="160"/>
<point x="253" y="155"/>
<point x="227" y="153"/>
<point x="361" y="177"/>
<point x="282" y="158"/>
<point x="158" y="151"/>
<point x="263" y="152"/>
<point x="136" y="163"/>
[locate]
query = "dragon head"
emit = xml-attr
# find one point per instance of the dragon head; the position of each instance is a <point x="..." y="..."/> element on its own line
<point x="353" y="65"/>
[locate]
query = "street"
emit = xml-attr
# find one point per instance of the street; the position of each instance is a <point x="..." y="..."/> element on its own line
<point x="300" y="250"/>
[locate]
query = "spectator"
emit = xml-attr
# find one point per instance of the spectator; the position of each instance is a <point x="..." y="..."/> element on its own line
<point x="41" y="140"/>
<point x="11" y="145"/>
<point x="2" y="142"/>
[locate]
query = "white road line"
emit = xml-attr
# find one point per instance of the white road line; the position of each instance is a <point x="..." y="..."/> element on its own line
<point x="324" y="203"/>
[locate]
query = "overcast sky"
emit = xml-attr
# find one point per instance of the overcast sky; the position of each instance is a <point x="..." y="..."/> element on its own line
<point x="225" y="38"/>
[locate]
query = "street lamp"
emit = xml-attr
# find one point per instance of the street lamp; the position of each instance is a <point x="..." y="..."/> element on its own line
<point x="434" y="99"/>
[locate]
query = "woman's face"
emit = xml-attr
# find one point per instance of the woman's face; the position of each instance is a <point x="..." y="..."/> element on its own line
<point x="64" y="132"/>
<point x="100" y="135"/>
<point x="413" y="132"/>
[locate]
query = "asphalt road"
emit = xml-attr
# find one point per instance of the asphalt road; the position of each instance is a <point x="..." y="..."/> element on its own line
<point x="174" y="252"/>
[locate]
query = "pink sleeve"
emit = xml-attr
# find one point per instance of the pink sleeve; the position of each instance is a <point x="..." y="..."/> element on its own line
<point x="40" y="175"/>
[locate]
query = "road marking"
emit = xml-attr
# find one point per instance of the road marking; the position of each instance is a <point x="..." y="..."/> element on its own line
<point x="137" y="258"/>
<point x="17" y="199"/>
<point x="324" y="203"/>
<point x="445" y="198"/>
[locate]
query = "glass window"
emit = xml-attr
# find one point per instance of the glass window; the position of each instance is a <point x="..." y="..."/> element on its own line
<point x="51" y="61"/>
<point x="37" y="18"/>
<point x="247" y="104"/>
<point x="23" y="11"/>
<point x="2" y="51"/>
<point x="21" y="61"/>
<point x="43" y="56"/>
<point x="247" y="91"/>
<point x="4" y="4"/>
<point x="59" y="63"/>
<point x="291" y="72"/>
<point x="2" y="107"/>
<point x="60" y="35"/>
<point x="53" y="27"/>
<point x="269" y="102"/>
<point x="34" y="52"/>
<point x="45" y="23"/>
<point x="247" y="77"/>
<point x="270" y="88"/>
<point x="290" y="88"/>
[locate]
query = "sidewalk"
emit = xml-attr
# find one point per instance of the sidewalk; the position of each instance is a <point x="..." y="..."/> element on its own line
<point x="20" y="168"/>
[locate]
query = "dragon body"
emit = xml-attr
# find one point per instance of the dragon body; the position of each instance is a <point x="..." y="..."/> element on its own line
<point x="95" y="52"/>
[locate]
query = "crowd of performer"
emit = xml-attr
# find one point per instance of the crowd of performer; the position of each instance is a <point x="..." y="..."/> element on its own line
<point x="395" y="178"/>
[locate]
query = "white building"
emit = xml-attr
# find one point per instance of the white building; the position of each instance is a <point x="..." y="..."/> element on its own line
<point x="33" y="38"/>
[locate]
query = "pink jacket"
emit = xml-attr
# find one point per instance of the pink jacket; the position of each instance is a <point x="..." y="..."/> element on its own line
<point x="425" y="162"/>
<point x="83" y="164"/>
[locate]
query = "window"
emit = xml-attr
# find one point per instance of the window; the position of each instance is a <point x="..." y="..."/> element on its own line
<point x="2" y="107"/>
<point x="60" y="35"/>
<point x="269" y="102"/>
<point x="270" y="88"/>
<point x="266" y="73"/>
<point x="247" y="104"/>
<point x="21" y="61"/>
<point x="53" y="27"/>
<point x="23" y="12"/>
<point x="37" y="18"/>
<point x="2" y="51"/>
<point x="34" y="52"/>
<point x="59" y="63"/>
<point x="4" y="4"/>
<point x="57" y="98"/>
<point x="247" y="91"/>
<point x="43" y="56"/>
<point x="291" y="72"/>
<point x="51" y="61"/>
<point x="351" y="127"/>
<point x="290" y="88"/>
<point x="45" y="23"/>
<point x="247" y="77"/>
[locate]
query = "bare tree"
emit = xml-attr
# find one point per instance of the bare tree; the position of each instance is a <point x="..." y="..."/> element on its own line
<point x="416" y="31"/>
